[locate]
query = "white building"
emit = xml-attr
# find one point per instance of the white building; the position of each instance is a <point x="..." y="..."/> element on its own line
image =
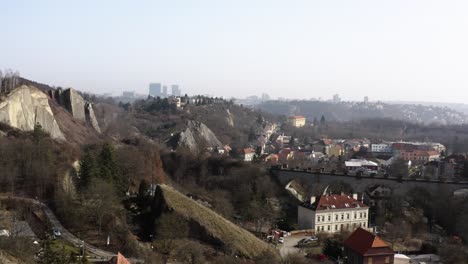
<point x="333" y="213"/>
<point x="361" y="165"/>
<point x="381" y="148"/>
<point x="247" y="154"/>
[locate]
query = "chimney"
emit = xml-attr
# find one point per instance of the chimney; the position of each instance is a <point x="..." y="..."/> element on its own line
<point x="355" y="196"/>
<point x="312" y="199"/>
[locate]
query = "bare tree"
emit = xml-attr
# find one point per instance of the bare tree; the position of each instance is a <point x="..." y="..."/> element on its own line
<point x="101" y="200"/>
<point x="10" y="80"/>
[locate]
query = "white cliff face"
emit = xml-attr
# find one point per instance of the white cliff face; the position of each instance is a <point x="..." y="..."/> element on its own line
<point x="197" y="136"/>
<point x="26" y="106"/>
<point x="77" y="106"/>
<point x="91" y="117"/>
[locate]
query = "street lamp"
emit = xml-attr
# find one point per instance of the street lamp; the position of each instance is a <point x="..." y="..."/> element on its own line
<point x="82" y="248"/>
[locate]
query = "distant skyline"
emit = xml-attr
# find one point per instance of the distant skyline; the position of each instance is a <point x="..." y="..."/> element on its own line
<point x="387" y="50"/>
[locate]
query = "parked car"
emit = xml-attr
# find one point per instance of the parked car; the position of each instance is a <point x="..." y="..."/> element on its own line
<point x="281" y="240"/>
<point x="56" y="232"/>
<point x="313" y="238"/>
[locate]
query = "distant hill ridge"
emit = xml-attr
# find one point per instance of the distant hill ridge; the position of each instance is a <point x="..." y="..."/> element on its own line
<point x="349" y="111"/>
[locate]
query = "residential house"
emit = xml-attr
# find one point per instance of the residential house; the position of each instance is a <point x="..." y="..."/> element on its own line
<point x="175" y="100"/>
<point x="316" y="157"/>
<point x="322" y="145"/>
<point x="419" y="155"/>
<point x="297" y="121"/>
<point x="352" y="145"/>
<point x="247" y="154"/>
<point x="283" y="140"/>
<point x="271" y="158"/>
<point x="286" y="154"/>
<point x="377" y="194"/>
<point x="363" y="247"/>
<point x="333" y="213"/>
<point x="336" y="150"/>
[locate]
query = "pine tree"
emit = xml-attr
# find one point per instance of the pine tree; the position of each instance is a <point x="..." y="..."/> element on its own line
<point x="322" y="119"/>
<point x="108" y="169"/>
<point x="88" y="169"/>
<point x="107" y="165"/>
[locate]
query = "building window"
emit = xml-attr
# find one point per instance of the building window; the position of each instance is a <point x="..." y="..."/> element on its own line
<point x="347" y="216"/>
<point x="323" y="218"/>
<point x="336" y="227"/>
<point x="355" y="215"/>
<point x="387" y="260"/>
<point x="364" y="224"/>
<point x="370" y="260"/>
<point x="329" y="218"/>
<point x="318" y="218"/>
<point x="342" y="216"/>
<point x="360" y="215"/>
<point x="328" y="228"/>
<point x="365" y="214"/>
<point x="336" y="217"/>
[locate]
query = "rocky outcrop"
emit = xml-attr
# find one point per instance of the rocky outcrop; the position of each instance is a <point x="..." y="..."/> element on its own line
<point x="76" y="105"/>
<point x="196" y="137"/>
<point x="27" y="106"/>
<point x="91" y="117"/>
<point x="229" y="118"/>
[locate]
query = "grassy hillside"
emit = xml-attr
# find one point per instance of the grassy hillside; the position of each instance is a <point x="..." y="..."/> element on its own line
<point x="231" y="235"/>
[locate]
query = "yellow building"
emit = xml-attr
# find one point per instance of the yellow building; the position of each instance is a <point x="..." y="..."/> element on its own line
<point x="297" y="121"/>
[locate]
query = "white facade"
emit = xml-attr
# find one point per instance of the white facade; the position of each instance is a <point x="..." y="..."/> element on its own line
<point x="381" y="148"/>
<point x="248" y="157"/>
<point x="333" y="213"/>
<point x="331" y="221"/>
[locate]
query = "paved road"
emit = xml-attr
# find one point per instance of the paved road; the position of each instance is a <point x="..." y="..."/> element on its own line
<point x="96" y="253"/>
<point x="288" y="247"/>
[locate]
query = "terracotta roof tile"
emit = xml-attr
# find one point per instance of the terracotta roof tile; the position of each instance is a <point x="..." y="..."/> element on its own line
<point x="361" y="241"/>
<point x="336" y="201"/>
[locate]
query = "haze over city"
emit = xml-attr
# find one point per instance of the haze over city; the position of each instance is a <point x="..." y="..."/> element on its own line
<point x="396" y="50"/>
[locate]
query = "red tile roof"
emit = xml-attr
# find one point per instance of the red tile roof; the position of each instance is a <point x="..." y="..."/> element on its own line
<point x="336" y="201"/>
<point x="249" y="150"/>
<point x="363" y="242"/>
<point x="119" y="259"/>
<point x="296" y="117"/>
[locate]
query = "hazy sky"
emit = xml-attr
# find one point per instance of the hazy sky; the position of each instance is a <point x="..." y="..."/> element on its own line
<point x="411" y="50"/>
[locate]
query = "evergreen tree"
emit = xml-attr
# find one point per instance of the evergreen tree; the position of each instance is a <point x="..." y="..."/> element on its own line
<point x="88" y="169"/>
<point x="107" y="165"/>
<point x="108" y="169"/>
<point x="38" y="133"/>
<point x="322" y="119"/>
<point x="332" y="248"/>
